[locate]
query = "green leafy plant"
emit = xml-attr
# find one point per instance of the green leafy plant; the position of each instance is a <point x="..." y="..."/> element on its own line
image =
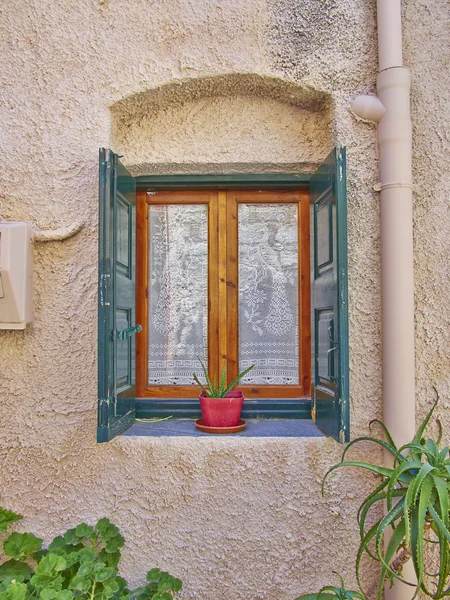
<point x="214" y="390"/>
<point x="7" y="517"/>
<point x="331" y="592"/>
<point x="416" y="492"/>
<point x="81" y="564"/>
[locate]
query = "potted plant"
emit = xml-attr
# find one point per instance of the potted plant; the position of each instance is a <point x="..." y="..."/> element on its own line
<point x="416" y="493"/>
<point x="220" y="405"/>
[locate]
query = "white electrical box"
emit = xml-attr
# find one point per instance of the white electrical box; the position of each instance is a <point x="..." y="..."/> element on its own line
<point x="16" y="275"/>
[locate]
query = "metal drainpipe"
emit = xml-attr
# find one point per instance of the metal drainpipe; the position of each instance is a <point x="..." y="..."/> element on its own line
<point x="397" y="260"/>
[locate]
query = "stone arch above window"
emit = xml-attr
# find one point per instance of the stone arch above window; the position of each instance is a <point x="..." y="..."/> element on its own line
<point x="223" y="124"/>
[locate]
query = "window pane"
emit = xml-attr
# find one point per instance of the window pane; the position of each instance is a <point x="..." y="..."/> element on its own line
<point x="268" y="293"/>
<point x="123" y="234"/>
<point x="323" y="235"/>
<point x="123" y="320"/>
<point x="178" y="292"/>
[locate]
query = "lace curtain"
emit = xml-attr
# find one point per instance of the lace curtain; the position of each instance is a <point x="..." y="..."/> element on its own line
<point x="178" y="307"/>
<point x="268" y="293"/>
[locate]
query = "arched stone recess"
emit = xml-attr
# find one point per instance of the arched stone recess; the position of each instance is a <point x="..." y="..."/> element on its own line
<point x="223" y="124"/>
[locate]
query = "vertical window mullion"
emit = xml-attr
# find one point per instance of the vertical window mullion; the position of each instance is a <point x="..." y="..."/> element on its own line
<point x="221" y="306"/>
<point x="232" y="286"/>
<point x="214" y="321"/>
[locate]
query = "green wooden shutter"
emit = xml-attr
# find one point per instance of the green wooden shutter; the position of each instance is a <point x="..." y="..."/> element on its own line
<point x="330" y="389"/>
<point x="116" y="297"/>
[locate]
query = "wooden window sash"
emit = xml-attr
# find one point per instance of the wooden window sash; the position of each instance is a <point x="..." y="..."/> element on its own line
<point x="145" y="200"/>
<point x="301" y="198"/>
<point x="222" y="288"/>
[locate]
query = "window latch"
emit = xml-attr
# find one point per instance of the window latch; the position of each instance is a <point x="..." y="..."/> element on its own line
<point x="127" y="333"/>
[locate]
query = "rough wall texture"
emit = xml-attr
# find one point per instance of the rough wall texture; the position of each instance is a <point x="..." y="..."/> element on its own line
<point x="216" y="123"/>
<point x="239" y="519"/>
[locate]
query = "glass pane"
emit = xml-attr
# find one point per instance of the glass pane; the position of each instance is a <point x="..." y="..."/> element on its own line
<point x="123" y="233"/>
<point x="268" y="293"/>
<point x="323" y="234"/>
<point x="325" y="336"/>
<point x="178" y="302"/>
<point x="123" y="347"/>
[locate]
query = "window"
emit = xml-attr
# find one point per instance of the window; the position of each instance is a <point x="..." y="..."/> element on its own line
<point x="223" y="274"/>
<point x="242" y="290"/>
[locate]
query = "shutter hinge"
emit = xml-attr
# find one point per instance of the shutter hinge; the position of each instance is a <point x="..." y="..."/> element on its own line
<point x="341" y="436"/>
<point x="313" y="413"/>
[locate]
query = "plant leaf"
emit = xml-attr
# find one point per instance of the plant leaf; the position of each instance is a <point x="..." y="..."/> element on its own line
<point x="223" y="378"/>
<point x="425" y="422"/>
<point x="236" y="380"/>
<point x="364" y="547"/>
<point x="208" y="380"/>
<point x="196" y="379"/>
<point x="373" y="468"/>
<point x="385" y="522"/>
<point x="7" y="517"/>
<point x="16" y="591"/>
<point x="21" y="545"/>
<point x="83" y="530"/>
<point x="386" y="432"/>
<point x="50" y="564"/>
<point x="366" y="438"/>
<point x="14" y="569"/>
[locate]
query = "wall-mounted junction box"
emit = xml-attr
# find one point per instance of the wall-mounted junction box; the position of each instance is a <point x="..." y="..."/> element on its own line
<point x="16" y="275"/>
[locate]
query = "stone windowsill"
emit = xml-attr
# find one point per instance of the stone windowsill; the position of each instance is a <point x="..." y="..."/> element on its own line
<point x="256" y="428"/>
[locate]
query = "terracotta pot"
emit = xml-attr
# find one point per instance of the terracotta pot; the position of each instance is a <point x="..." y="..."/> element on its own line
<point x="221" y="412"/>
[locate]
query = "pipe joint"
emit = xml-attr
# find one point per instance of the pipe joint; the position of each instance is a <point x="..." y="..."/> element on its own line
<point x="368" y="108"/>
<point x="379" y="187"/>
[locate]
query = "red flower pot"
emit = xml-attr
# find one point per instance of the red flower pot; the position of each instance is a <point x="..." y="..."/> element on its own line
<point x="221" y="412"/>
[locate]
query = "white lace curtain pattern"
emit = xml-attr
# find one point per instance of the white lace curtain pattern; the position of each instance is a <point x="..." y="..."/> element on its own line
<point x="268" y="292"/>
<point x="178" y="275"/>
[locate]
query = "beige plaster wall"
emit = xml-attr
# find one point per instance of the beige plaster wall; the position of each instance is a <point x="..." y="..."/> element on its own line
<point x="225" y="123"/>
<point x="239" y="519"/>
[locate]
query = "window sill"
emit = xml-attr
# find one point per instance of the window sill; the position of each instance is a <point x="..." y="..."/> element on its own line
<point x="189" y="408"/>
<point x="259" y="428"/>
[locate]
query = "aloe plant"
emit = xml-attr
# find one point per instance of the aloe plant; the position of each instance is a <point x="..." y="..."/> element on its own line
<point x="332" y="592"/>
<point x="220" y="390"/>
<point x="416" y="493"/>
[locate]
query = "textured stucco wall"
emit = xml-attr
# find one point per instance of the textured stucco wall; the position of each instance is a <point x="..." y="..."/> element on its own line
<point x="239" y="519"/>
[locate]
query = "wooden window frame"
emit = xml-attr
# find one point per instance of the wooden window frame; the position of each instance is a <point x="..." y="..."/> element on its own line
<point x="301" y="199"/>
<point x="182" y="402"/>
<point x="165" y="198"/>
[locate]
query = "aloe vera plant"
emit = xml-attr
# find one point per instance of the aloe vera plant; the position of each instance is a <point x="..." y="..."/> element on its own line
<point x="416" y="492"/>
<point x="220" y="390"/>
<point x="332" y="592"/>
